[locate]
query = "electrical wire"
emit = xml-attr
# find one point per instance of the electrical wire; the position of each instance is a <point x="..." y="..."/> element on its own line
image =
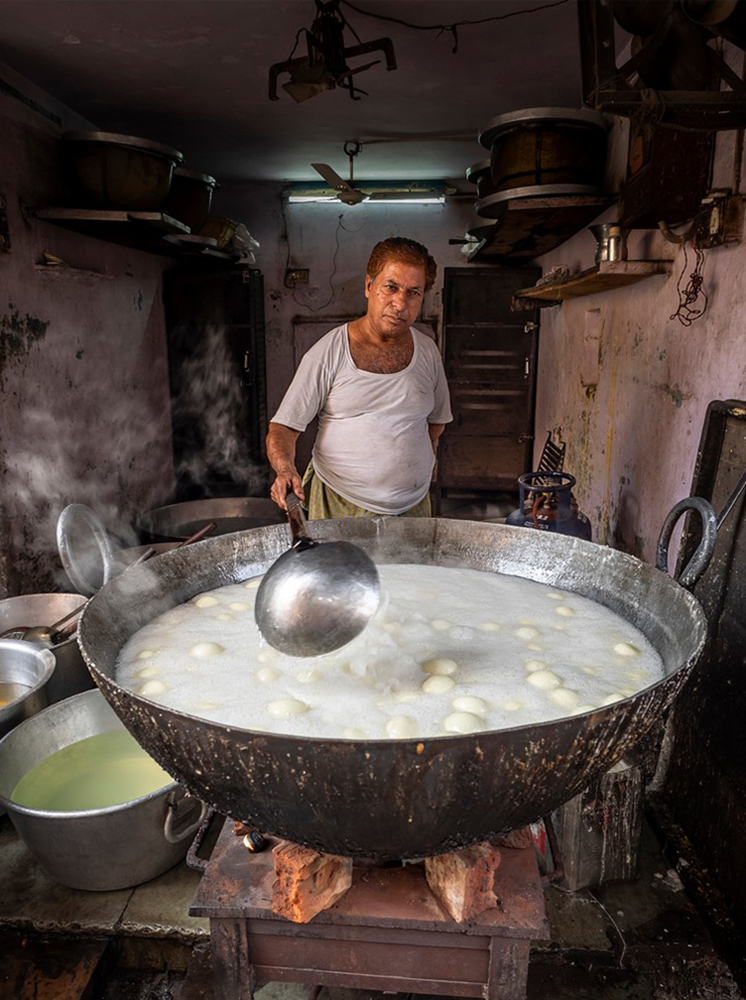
<point x="332" y="290"/>
<point x="693" y="298"/>
<point x="453" y="26"/>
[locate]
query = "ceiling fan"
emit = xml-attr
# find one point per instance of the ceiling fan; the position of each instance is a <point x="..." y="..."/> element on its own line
<point x="346" y="190"/>
<point x="347" y="193"/>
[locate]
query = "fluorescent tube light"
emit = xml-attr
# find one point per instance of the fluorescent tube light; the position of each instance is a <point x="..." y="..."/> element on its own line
<point x="414" y="199"/>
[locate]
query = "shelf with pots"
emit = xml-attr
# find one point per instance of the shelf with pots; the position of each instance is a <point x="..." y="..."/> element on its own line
<point x="140" y="196"/>
<point x="603" y="277"/>
<point x="541" y="184"/>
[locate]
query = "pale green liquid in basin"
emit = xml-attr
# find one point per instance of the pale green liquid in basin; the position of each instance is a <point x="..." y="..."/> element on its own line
<point x="102" y="770"/>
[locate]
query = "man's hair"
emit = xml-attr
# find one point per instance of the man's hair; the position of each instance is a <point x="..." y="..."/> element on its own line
<point x="399" y="250"/>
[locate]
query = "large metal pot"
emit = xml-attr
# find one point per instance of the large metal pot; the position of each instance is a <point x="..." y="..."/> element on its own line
<point x="120" y="171"/>
<point x="546" y="146"/>
<point x="71" y="676"/>
<point x="98" y="849"/>
<point x="393" y="798"/>
<point x="181" y="520"/>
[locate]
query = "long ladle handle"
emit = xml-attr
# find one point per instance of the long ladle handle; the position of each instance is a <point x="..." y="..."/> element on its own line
<point x="297" y="520"/>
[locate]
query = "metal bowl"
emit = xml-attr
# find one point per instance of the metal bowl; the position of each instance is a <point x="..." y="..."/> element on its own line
<point x="24" y="664"/>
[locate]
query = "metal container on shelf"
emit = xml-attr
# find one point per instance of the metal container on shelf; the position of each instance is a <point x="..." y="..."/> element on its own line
<point x="481" y="175"/>
<point x="119" y="172"/>
<point x="190" y="197"/>
<point x="28" y="610"/>
<point x="542" y="146"/>
<point x="219" y="228"/>
<point x="611" y="241"/>
<point x="96" y="849"/>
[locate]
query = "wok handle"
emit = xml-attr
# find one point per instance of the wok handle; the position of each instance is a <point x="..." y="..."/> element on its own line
<point x="699" y="562"/>
<point x="297" y="520"/>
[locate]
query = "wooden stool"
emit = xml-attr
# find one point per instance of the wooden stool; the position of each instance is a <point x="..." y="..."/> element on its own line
<point x="387" y="933"/>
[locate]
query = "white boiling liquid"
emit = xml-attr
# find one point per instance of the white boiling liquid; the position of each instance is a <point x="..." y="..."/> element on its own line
<point x="450" y="650"/>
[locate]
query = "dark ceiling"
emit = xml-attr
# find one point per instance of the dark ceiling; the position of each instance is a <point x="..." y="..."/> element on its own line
<point x="193" y="74"/>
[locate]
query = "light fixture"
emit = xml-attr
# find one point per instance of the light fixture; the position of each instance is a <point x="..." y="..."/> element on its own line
<point x="325" y="67"/>
<point x="373" y="193"/>
<point x="404" y="199"/>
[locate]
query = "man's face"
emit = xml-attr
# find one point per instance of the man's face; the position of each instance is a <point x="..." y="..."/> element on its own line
<point x="395" y="297"/>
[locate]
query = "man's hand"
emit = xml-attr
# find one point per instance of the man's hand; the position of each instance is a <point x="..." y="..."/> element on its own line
<point x="281" y="442"/>
<point x="285" y="482"/>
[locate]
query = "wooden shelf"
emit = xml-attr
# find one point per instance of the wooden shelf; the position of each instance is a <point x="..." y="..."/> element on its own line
<point x="530" y="227"/>
<point x="153" y="232"/>
<point x="601" y="278"/>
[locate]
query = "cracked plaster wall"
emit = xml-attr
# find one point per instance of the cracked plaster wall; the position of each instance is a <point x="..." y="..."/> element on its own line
<point x="627" y="388"/>
<point x="84" y="404"/>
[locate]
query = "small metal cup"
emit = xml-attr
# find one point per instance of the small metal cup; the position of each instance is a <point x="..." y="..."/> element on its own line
<point x="611" y="241"/>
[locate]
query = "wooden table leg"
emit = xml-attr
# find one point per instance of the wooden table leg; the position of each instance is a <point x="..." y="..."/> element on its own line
<point x="507" y="973"/>
<point x="233" y="973"/>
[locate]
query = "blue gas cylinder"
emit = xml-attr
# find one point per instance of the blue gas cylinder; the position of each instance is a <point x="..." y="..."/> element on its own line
<point x="547" y="503"/>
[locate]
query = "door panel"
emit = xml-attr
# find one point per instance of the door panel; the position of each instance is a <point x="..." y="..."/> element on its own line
<point x="489" y="354"/>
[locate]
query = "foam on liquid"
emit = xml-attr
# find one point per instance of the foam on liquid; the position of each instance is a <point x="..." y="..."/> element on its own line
<point x="449" y="651"/>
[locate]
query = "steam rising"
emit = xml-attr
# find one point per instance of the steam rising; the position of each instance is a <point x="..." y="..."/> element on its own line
<point x="211" y="421"/>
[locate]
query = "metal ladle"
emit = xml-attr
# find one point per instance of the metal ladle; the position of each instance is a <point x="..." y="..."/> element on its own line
<point x="317" y="596"/>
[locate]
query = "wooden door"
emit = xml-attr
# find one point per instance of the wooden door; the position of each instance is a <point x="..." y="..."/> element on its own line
<point x="215" y="324"/>
<point x="490" y="359"/>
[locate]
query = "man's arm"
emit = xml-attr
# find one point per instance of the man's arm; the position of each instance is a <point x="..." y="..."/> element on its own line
<point x="435" y="430"/>
<point x="281" y="441"/>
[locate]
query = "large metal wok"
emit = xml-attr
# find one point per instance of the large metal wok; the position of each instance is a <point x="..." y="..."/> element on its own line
<point x="396" y="799"/>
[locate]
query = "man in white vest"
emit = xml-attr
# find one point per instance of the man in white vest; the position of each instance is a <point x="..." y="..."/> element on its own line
<point x="378" y="387"/>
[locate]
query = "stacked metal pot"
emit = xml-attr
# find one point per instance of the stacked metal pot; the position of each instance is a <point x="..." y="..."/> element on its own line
<point x="537" y="153"/>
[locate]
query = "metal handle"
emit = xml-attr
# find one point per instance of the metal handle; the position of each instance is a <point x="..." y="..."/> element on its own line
<point x="297" y="520"/>
<point x="193" y="859"/>
<point x="699" y="562"/>
<point x="172" y="812"/>
<point x="77" y="577"/>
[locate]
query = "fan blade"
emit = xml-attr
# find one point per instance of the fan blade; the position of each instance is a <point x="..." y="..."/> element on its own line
<point x="331" y="177"/>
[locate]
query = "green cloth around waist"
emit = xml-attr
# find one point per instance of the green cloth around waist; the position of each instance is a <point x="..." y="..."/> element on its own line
<point x="324" y="504"/>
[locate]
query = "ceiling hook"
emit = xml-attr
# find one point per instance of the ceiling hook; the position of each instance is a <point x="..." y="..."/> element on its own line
<point x="352" y="148"/>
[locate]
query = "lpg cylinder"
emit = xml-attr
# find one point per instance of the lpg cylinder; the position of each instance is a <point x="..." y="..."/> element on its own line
<point x="547" y="503"/>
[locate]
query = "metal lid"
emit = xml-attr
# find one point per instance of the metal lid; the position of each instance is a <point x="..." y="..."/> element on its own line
<point x="476" y="169"/>
<point x="489" y="207"/>
<point x="130" y="141"/>
<point x="580" y="116"/>
<point x="194" y="175"/>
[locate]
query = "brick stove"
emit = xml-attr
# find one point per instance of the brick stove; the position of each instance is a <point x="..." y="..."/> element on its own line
<point x="387" y="933"/>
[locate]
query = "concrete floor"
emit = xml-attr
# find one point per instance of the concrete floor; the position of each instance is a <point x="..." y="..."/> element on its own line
<point x="634" y="941"/>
